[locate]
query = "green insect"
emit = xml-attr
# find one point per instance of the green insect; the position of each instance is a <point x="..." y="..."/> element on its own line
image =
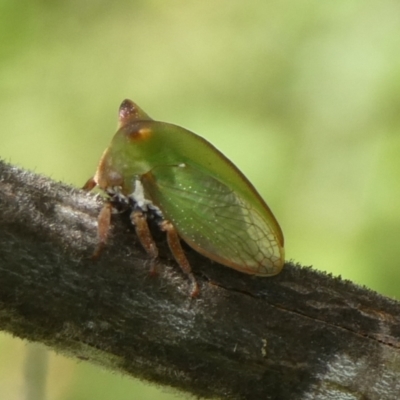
<point x="192" y="190"/>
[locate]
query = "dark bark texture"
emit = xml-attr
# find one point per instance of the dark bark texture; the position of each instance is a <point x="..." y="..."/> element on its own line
<point x="300" y="335"/>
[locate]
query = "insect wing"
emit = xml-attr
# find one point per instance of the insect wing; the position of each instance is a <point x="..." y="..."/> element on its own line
<point x="214" y="220"/>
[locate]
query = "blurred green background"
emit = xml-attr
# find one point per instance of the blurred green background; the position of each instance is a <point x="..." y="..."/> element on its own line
<point x="303" y="96"/>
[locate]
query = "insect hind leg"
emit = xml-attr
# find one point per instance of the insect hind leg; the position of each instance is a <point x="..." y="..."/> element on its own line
<point x="144" y="210"/>
<point x="179" y="255"/>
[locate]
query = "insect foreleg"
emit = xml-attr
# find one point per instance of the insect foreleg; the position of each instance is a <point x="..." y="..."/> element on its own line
<point x="103" y="227"/>
<point x="89" y="185"/>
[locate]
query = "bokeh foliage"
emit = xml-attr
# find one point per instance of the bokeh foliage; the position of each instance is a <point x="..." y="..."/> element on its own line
<point x="302" y="95"/>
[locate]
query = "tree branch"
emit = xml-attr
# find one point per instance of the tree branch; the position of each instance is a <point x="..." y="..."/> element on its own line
<point x="299" y="335"/>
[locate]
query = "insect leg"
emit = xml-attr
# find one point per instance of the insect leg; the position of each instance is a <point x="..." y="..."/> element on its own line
<point x="143" y="232"/>
<point x="103" y="227"/>
<point x="89" y="185"/>
<point x="177" y="251"/>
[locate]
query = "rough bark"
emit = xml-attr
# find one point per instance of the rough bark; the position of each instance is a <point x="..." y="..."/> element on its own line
<point x="299" y="335"/>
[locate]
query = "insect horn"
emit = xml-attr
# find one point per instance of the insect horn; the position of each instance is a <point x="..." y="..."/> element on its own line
<point x="130" y="112"/>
